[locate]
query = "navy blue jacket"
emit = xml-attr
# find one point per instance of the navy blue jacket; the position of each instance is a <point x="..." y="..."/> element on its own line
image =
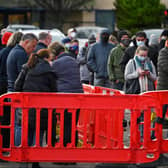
<point x="3" y="59"/>
<point x="16" y="58"/>
<point x="67" y="74"/>
<point x="39" y="46"/>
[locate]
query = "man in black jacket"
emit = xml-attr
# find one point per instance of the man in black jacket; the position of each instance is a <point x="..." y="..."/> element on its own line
<point x="44" y="41"/>
<point x="140" y="40"/>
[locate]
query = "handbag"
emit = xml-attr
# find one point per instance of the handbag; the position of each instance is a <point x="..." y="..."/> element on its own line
<point x="132" y="86"/>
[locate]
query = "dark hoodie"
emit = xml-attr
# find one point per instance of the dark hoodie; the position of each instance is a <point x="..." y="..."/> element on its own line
<point x="38" y="79"/>
<point x="98" y="56"/>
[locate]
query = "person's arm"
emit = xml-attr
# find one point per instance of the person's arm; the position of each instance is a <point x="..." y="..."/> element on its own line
<point x="18" y="86"/>
<point x="124" y="60"/>
<point x="130" y="71"/>
<point x="22" y="59"/>
<point x="81" y="58"/>
<point x="152" y="75"/>
<point x="110" y="66"/>
<point x="91" y="62"/>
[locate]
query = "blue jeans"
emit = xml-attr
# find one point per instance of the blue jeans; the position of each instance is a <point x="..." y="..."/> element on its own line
<point x="31" y="136"/>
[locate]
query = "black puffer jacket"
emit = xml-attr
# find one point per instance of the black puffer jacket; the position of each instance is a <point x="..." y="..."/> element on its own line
<point x="162" y="83"/>
<point x="38" y="79"/>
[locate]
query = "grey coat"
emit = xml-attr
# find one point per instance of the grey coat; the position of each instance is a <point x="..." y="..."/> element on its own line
<point x="131" y="72"/>
<point x="162" y="66"/>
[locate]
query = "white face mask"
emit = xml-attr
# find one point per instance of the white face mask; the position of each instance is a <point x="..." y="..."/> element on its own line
<point x="140" y="43"/>
<point x="141" y="58"/>
<point x="73" y="34"/>
<point x="67" y="45"/>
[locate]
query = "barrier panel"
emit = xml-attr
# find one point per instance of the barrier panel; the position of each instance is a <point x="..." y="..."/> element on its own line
<point x="109" y="114"/>
<point x="101" y="90"/>
<point x="162" y="97"/>
<point x="90" y="89"/>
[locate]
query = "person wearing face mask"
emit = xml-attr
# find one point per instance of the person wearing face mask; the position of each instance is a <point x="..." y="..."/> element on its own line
<point x="97" y="59"/>
<point x="74" y="48"/>
<point x="113" y="67"/>
<point x="72" y="33"/>
<point x="142" y="69"/>
<point x="140" y="40"/>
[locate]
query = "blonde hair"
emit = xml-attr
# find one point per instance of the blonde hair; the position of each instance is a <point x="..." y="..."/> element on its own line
<point x="14" y="39"/>
<point x="141" y="48"/>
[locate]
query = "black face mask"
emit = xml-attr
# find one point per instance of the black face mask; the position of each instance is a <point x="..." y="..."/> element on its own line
<point x="104" y="38"/>
<point x="126" y="42"/>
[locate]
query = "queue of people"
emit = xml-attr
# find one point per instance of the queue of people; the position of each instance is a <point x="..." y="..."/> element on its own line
<point x="31" y="64"/>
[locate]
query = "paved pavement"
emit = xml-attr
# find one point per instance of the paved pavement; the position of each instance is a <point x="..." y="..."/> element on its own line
<point x="49" y="165"/>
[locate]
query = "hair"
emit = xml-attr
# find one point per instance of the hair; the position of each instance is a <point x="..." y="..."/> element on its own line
<point x="14" y="39"/>
<point x="121" y="33"/>
<point x="32" y="61"/>
<point x="75" y="41"/>
<point x="29" y="36"/>
<point x="43" y="35"/>
<point x="141" y="34"/>
<point x="56" y="48"/>
<point x="43" y="53"/>
<point x="113" y="38"/>
<point x="141" y="48"/>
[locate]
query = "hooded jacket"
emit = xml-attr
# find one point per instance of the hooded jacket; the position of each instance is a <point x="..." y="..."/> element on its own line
<point x="98" y="56"/>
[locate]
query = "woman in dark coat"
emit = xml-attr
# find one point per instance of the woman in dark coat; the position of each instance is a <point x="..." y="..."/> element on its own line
<point x="36" y="76"/>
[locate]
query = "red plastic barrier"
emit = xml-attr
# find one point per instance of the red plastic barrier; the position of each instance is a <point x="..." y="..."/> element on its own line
<point x="90" y="89"/>
<point x="108" y="110"/>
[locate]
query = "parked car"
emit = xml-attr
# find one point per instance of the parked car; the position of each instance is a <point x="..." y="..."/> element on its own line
<point x="83" y="32"/>
<point x="153" y="35"/>
<point x="56" y="34"/>
<point x="18" y="27"/>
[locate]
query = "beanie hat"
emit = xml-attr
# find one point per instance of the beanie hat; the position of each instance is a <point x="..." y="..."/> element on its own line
<point x="164" y="33"/>
<point x="5" y="37"/>
<point x="92" y="39"/>
<point x="122" y="33"/>
<point x="66" y="40"/>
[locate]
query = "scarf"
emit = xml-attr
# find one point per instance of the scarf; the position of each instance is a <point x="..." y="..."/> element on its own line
<point x="143" y="81"/>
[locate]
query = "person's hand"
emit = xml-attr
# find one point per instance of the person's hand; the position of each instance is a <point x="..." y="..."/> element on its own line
<point x="117" y="81"/>
<point x="141" y="72"/>
<point x="147" y="72"/>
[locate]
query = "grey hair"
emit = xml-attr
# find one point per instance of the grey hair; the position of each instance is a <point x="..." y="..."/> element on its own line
<point x="43" y="35"/>
<point x="14" y="39"/>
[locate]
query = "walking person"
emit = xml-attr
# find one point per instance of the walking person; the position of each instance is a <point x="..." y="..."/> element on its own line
<point x="98" y="57"/>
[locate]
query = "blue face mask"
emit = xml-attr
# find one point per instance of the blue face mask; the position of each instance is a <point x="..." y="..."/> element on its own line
<point x="141" y="58"/>
<point x="140" y="43"/>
